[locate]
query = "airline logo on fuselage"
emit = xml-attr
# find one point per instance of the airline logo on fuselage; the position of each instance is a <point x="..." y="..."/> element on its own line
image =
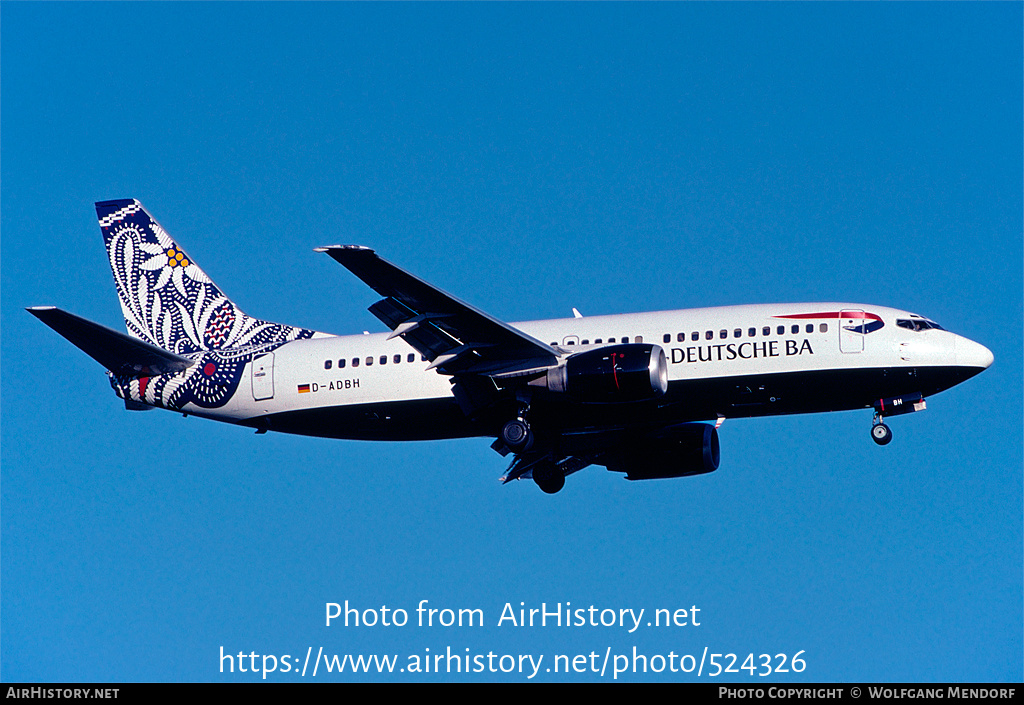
<point x="868" y="322"/>
<point x="854" y="321"/>
<point x="749" y="350"/>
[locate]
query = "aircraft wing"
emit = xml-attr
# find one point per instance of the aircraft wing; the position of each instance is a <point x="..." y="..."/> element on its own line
<point x="457" y="338"/>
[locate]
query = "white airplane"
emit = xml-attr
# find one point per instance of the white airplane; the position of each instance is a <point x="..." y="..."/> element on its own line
<point x="629" y="392"/>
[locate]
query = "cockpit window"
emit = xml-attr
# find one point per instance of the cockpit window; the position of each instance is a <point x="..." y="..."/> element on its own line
<point x="918" y="324"/>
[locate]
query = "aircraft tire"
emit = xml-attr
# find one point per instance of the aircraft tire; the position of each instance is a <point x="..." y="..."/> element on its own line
<point x="517" y="435"/>
<point x="548" y="478"/>
<point x="881" y="434"/>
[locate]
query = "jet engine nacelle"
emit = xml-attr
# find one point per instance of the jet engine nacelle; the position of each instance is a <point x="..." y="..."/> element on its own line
<point x="687" y="449"/>
<point x="616" y="373"/>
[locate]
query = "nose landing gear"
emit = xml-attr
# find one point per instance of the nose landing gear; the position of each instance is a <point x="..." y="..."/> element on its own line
<point x="880" y="433"/>
<point x="893" y="406"/>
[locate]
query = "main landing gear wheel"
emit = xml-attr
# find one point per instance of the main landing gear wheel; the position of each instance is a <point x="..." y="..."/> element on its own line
<point x="517" y="435"/>
<point x="881" y="434"/>
<point x="549" y="478"/>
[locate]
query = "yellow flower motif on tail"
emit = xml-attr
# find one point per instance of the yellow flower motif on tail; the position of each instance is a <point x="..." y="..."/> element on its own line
<point x="176" y="258"/>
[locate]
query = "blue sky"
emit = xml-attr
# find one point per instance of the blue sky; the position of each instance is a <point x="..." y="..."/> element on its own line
<point x="528" y="158"/>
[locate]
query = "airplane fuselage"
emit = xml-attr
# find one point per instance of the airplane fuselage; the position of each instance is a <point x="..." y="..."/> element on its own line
<point x="628" y="392"/>
<point x="735" y="361"/>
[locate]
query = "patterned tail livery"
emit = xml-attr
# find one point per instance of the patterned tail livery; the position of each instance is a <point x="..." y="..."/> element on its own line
<point x="166" y="298"/>
<point x="168" y="301"/>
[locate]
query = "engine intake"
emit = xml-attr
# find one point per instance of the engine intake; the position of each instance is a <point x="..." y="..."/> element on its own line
<point x="616" y="373"/>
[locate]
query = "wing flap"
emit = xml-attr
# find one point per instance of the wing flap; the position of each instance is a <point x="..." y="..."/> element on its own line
<point x="120" y="353"/>
<point x="417" y="329"/>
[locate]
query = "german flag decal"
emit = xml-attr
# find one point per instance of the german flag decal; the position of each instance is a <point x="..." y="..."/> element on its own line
<point x="303" y="389"/>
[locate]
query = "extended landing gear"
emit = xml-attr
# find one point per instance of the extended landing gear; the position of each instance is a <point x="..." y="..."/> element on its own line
<point x="893" y="406"/>
<point x="517" y="435"/>
<point x="549" y="477"/>
<point x="880" y="433"/>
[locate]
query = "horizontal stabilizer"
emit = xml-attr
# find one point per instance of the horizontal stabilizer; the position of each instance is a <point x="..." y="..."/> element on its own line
<point x="120" y="353"/>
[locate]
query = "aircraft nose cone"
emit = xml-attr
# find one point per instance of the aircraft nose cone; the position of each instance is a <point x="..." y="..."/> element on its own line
<point x="971" y="354"/>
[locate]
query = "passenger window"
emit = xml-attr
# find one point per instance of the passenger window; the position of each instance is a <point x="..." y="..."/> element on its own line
<point x="738" y="333"/>
<point x="638" y="339"/>
<point x="681" y="337"/>
<point x="597" y="342"/>
<point x="823" y="328"/>
<point x="695" y="335"/>
<point x="709" y="335"/>
<point x="795" y="329"/>
<point x="751" y="332"/>
<point x="341" y="363"/>
<point x="398" y="358"/>
<point x="355" y="362"/>
<point x="383" y="359"/>
<point x="810" y="328"/>
<point x="723" y="334"/>
<point x="411" y="357"/>
<point x="423" y="358"/>
<point x="584" y="342"/>
<point x="611" y="340"/>
<point x="327" y="364"/>
<point x="767" y="330"/>
<point x="781" y="330"/>
<point x="369" y="360"/>
<point x="667" y="338"/>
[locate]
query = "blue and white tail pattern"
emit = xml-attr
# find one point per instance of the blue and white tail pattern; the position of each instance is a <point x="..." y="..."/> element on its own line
<point x="166" y="298"/>
<point x="169" y="301"/>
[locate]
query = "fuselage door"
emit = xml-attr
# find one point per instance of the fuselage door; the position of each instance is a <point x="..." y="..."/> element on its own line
<point x="263" y="377"/>
<point x="851" y="331"/>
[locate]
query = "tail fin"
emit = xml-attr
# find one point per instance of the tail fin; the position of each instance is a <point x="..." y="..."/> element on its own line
<point x="167" y="300"/>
